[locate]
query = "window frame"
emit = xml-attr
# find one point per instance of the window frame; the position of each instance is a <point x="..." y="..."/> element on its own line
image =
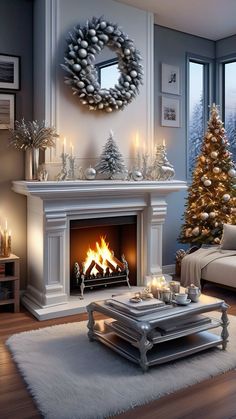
<point x="208" y="82"/>
<point x="220" y="85"/>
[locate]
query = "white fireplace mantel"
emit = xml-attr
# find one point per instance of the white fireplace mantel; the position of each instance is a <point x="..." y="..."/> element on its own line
<point x="52" y="205"/>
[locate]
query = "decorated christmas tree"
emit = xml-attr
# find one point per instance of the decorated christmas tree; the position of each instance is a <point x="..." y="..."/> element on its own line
<point x="111" y="161"/>
<point x="211" y="198"/>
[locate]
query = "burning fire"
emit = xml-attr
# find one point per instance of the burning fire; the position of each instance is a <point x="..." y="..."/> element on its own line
<point x="102" y="256"/>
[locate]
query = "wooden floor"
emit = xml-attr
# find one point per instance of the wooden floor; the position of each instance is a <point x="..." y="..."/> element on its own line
<point x="211" y="399"/>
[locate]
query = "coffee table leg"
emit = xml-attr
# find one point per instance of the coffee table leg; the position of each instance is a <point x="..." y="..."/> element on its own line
<point x="91" y="323"/>
<point x="225" y="322"/>
<point x="144" y="346"/>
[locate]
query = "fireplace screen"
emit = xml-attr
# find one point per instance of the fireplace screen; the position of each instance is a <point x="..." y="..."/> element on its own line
<point x="102" y="253"/>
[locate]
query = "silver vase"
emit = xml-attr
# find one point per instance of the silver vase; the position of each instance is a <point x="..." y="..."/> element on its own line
<point x="31" y="163"/>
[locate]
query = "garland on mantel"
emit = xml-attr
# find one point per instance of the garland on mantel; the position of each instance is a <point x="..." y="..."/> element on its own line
<point x="83" y="45"/>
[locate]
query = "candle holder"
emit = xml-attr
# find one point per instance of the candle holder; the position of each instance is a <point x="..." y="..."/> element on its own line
<point x="145" y="167"/>
<point x="71" y="171"/>
<point x="5" y="244"/>
<point x="63" y="174"/>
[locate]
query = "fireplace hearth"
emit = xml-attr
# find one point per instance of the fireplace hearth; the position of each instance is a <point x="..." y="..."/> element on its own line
<point x="52" y="207"/>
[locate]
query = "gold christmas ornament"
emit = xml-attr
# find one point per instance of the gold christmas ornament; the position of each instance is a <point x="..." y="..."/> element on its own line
<point x="214" y="139"/>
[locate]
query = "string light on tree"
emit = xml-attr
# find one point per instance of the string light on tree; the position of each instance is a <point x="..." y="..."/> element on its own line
<point x="212" y="194"/>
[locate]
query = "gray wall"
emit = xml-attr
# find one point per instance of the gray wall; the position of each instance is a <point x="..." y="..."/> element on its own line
<point x="170" y="47"/>
<point x="16" y="39"/>
<point x="226" y="46"/>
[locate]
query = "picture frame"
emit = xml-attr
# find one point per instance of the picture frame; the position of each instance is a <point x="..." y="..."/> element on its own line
<point x="7" y="110"/>
<point x="9" y="72"/>
<point x="170" y="79"/>
<point x="170" y="112"/>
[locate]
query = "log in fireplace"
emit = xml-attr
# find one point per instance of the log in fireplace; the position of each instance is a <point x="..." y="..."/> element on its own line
<point x="103" y="253"/>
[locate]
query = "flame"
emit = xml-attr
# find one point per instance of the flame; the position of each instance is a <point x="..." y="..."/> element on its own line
<point x="100" y="256"/>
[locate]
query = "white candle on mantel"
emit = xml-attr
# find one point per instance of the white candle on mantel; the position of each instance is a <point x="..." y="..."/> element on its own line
<point x="164" y="142"/>
<point x="137" y="148"/>
<point x="64" y="146"/>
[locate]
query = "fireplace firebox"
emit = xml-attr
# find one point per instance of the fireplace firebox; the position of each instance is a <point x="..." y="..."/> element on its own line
<point x="103" y="252"/>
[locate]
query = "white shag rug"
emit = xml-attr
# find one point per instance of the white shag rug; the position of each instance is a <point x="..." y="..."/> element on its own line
<point x="73" y="378"/>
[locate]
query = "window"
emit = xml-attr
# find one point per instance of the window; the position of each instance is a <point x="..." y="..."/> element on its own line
<point x="196" y="111"/>
<point x="229" y="103"/>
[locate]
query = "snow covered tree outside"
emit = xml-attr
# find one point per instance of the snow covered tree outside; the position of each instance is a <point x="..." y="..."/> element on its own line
<point x="196" y="113"/>
<point x="230" y="104"/>
<point x="196" y="131"/>
<point x="111" y="161"/>
<point x="211" y="198"/>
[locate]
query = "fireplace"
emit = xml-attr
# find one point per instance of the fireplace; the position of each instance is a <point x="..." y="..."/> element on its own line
<point x="53" y="208"/>
<point x="103" y="252"/>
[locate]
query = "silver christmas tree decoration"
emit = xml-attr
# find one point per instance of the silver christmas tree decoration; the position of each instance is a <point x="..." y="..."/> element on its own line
<point x="111" y="161"/>
<point x="161" y="168"/>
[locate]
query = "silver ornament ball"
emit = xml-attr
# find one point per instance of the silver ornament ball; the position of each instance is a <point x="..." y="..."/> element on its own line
<point x="226" y="197"/>
<point x="92" y="32"/>
<point x="82" y="53"/>
<point x="90" y="173"/>
<point x="204" y="216"/>
<point x="207" y="182"/>
<point x="90" y="88"/>
<point x="216" y="170"/>
<point x="133" y="74"/>
<point x="214" y="154"/>
<point x="232" y="172"/>
<point x="137" y="175"/>
<point x="76" y="67"/>
<point x="84" y="44"/>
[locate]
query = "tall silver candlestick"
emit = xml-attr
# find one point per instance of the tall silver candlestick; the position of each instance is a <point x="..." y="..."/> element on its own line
<point x="63" y="174"/>
<point x="71" y="172"/>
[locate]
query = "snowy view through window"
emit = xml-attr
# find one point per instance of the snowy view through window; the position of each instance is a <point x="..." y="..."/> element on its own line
<point x="230" y="105"/>
<point x="196" y="116"/>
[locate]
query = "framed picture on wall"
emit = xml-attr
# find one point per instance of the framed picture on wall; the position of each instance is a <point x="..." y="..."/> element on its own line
<point x="9" y="72"/>
<point x="170" y="79"/>
<point x="7" y="110"/>
<point x="170" y="112"/>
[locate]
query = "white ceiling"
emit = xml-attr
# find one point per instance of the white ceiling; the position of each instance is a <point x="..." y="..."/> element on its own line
<point x="211" y="19"/>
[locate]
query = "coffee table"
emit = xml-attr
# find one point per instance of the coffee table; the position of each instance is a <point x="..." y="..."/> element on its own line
<point x="162" y="336"/>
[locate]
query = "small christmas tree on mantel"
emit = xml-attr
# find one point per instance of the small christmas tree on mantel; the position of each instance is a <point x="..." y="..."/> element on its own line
<point x="111" y="161"/>
<point x="211" y="198"/>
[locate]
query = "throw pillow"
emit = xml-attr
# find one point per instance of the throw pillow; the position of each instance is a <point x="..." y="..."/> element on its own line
<point x="228" y="240"/>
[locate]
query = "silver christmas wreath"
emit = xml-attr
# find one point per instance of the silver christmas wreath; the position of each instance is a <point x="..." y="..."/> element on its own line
<point x="84" y="43"/>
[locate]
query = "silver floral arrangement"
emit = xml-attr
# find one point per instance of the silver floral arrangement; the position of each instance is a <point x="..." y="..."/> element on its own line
<point x="32" y="134"/>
